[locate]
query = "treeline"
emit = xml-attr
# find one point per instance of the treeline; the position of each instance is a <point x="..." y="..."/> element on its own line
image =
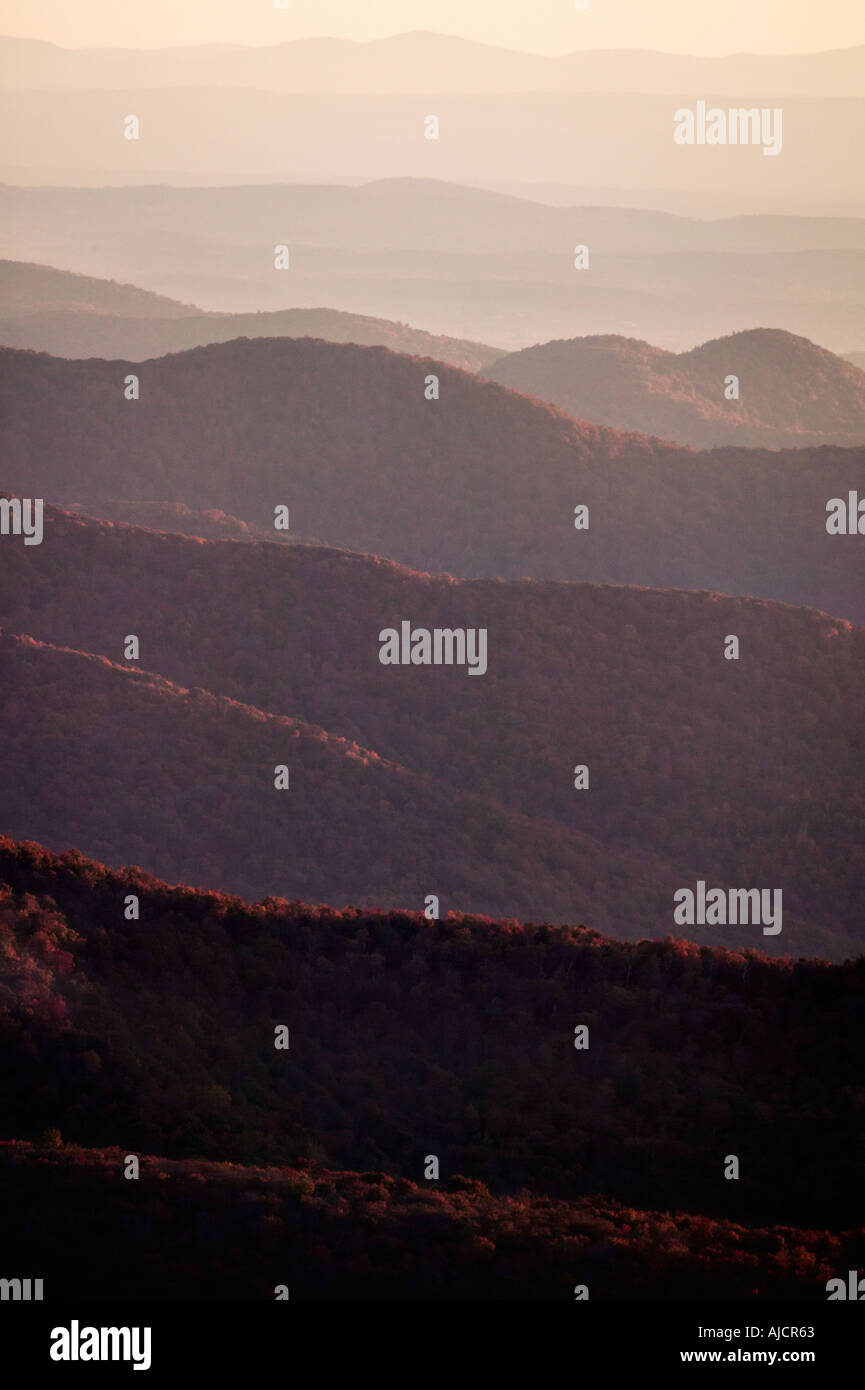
<point x="191" y="1229"/>
<point x="408" y="1038"/>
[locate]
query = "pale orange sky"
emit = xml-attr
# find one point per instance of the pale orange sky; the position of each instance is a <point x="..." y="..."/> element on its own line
<point x="540" y="26"/>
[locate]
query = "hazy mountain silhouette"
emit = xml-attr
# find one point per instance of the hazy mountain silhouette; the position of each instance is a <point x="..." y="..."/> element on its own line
<point x="393" y="214"/>
<point x="857" y="358"/>
<point x="792" y="392"/>
<point x="79" y="316"/>
<point x="279" y="136"/>
<point x="742" y="773"/>
<point x="426" y="62"/>
<point x="27" y="289"/>
<point x="464" y="262"/>
<point x="481" y="482"/>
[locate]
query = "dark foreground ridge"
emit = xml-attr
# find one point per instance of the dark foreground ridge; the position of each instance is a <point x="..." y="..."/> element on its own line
<point x="410" y="1039"/>
<point x="193" y="1229"/>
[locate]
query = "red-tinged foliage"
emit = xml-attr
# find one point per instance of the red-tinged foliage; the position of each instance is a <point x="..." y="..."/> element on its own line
<point x="188" y="1230"/>
<point x="453" y="1038"/>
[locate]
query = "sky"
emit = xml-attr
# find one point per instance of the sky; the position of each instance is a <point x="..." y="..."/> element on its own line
<point x="538" y="26"/>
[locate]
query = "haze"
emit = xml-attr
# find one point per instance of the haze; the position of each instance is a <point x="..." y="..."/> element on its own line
<point x="547" y="26"/>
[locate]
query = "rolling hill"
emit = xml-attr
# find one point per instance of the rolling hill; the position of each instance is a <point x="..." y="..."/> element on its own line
<point x="481" y="482"/>
<point x="80" y="316"/>
<point x="738" y="773"/>
<point x="463" y="262"/>
<point x="792" y="393"/>
<point x="183" y="782"/>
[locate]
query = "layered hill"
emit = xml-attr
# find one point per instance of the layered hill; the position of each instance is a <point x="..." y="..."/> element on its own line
<point x="27" y="289"/>
<point x="464" y="262"/>
<point x="423" y="61"/>
<point x="184" y="784"/>
<point x="80" y="316"/>
<point x="740" y="773"/>
<point x="392" y="215"/>
<point x="409" y="1038"/>
<point x="791" y="392"/>
<point x="479" y="482"/>
<point x="495" y="137"/>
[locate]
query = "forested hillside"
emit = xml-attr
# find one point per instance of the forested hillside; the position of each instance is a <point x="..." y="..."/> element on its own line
<point x="480" y="482"/>
<point x="742" y="773"/>
<point x="409" y="1038"/>
<point x="200" y="1229"/>
<point x="790" y="393"/>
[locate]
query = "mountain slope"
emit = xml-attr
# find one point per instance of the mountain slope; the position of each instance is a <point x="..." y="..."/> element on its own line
<point x="408" y="1038"/>
<point x="792" y="393"/>
<point x="70" y="315"/>
<point x="740" y="773"/>
<point x="28" y="289"/>
<point x="183" y="782"/>
<point x="305" y="1227"/>
<point x="481" y="482"/>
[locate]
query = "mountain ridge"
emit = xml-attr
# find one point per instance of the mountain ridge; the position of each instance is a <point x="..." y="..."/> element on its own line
<point x="424" y="60"/>
<point x="691" y="777"/>
<point x="347" y="438"/>
<point x="793" y="392"/>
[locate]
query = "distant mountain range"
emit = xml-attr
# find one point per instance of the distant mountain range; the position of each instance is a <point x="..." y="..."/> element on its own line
<point x="414" y="780"/>
<point x="80" y="316"/>
<point x="463" y="262"/>
<point x="427" y="62"/>
<point x="481" y="482"/>
<point x="293" y="136"/>
<point x="790" y="392"/>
